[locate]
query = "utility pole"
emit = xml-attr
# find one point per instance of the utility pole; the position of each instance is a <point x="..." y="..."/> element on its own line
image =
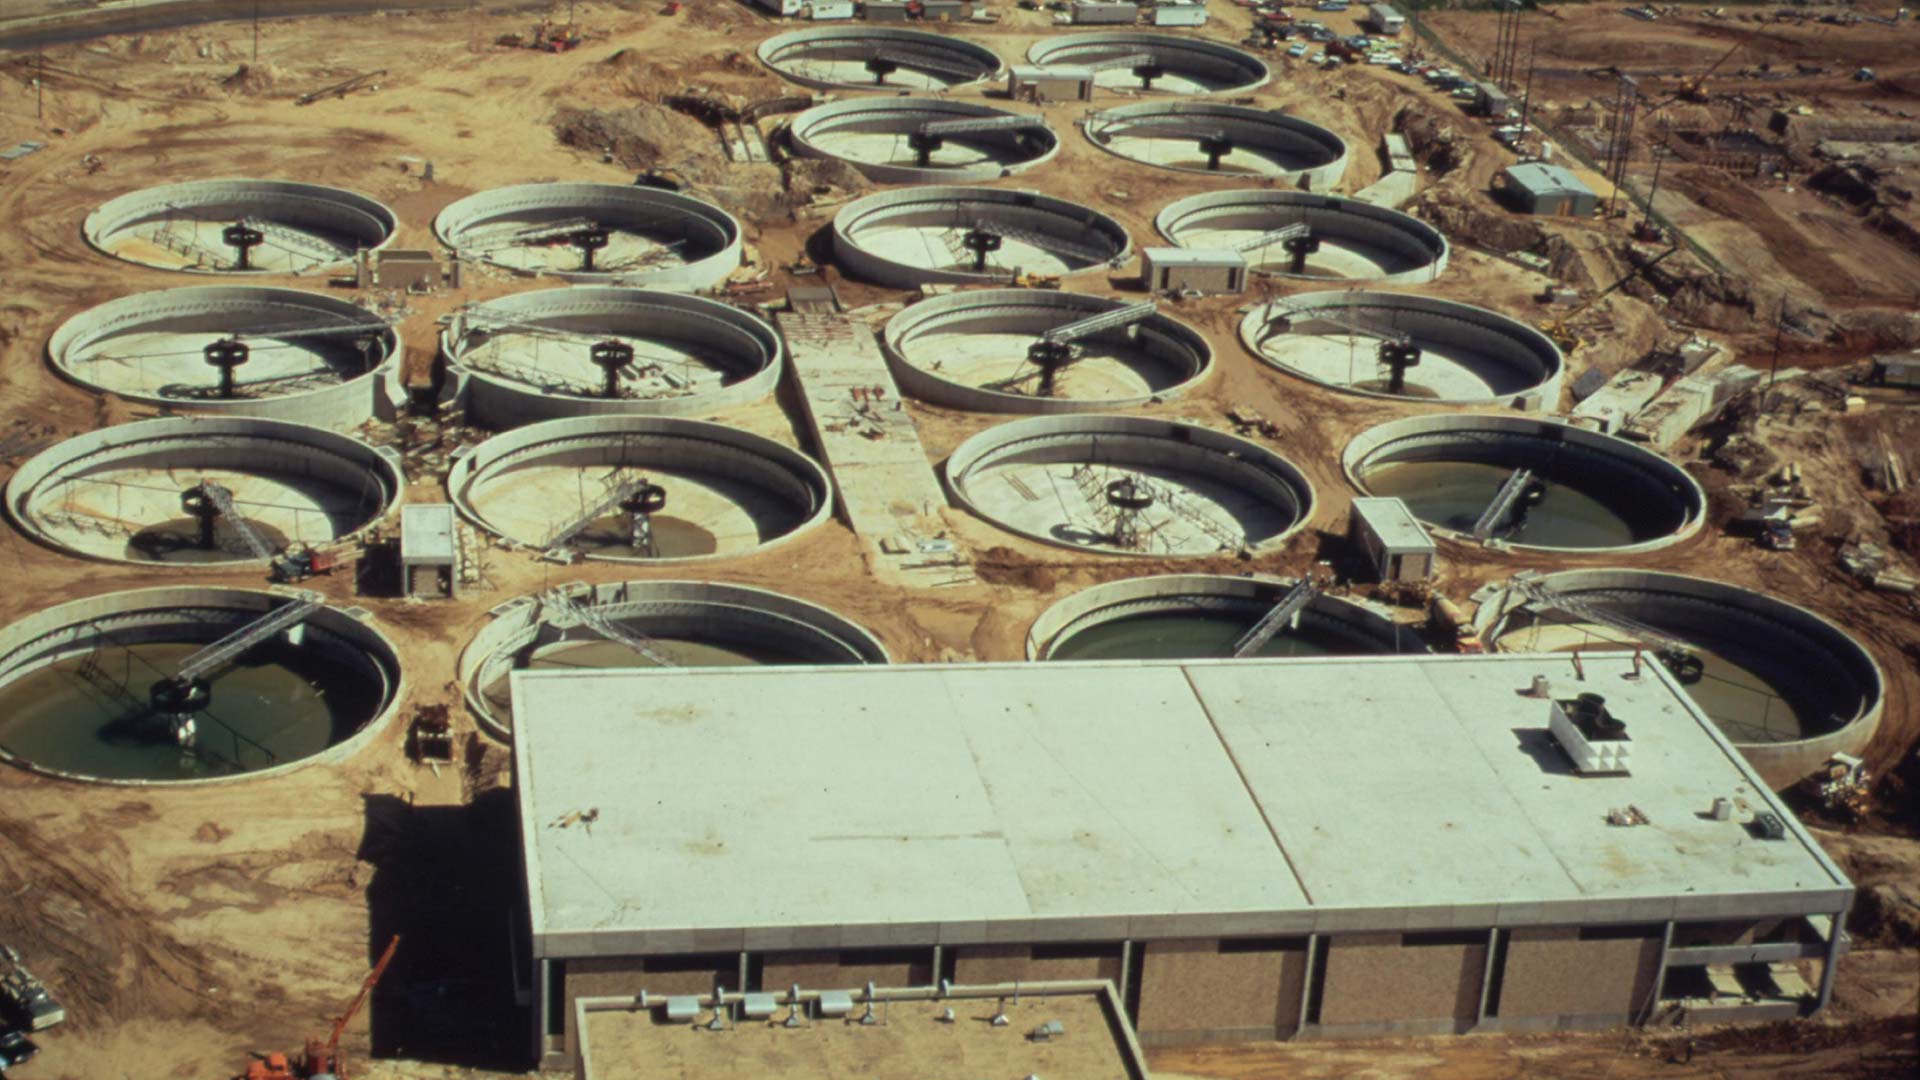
<point x="256" y="31"/>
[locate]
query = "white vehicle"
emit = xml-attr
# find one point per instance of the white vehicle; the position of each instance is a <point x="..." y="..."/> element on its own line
<point x="1297" y="50"/>
<point x="1382" y="58"/>
<point x="782" y="7"/>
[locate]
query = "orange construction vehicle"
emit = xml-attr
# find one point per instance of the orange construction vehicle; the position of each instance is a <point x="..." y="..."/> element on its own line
<point x="554" y="39"/>
<point x="322" y="1057"/>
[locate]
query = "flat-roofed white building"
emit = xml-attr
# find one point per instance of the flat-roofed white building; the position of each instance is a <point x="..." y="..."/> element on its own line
<point x="1245" y="848"/>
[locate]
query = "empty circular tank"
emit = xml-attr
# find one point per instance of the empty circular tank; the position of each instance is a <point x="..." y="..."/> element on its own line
<point x="1296" y="234"/>
<point x="81" y="687"/>
<point x="639" y="489"/>
<point x="1222" y="140"/>
<point x="876" y="57"/>
<point x="1125" y="60"/>
<point x="240" y="226"/>
<point x="1126" y="485"/>
<point x="678" y="623"/>
<point x="1397" y="345"/>
<point x="898" y="140"/>
<point x="596" y="233"/>
<point x="599" y="350"/>
<point x="985" y="350"/>
<point x="1784" y="685"/>
<point x="972" y="236"/>
<point x="202" y="491"/>
<point x="1202" y="616"/>
<point x="1583" y="492"/>
<point x="292" y="355"/>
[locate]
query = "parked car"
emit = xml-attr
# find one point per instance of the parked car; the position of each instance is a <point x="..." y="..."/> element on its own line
<point x="15" y="1049"/>
<point x="1298" y="49"/>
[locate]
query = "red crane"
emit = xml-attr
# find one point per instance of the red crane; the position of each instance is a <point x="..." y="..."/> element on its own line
<point x="322" y="1057"/>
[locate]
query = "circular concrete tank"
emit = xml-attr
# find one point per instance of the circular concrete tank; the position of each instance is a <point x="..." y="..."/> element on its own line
<point x="1167" y="64"/>
<point x="686" y="623"/>
<point x="596" y="234"/>
<point x="78" y="688"/>
<point x="876" y="57"/>
<point x="1594" y="492"/>
<point x="1200" y="616"/>
<point x="146" y="492"/>
<point x="1787" y="687"/>
<point x="240" y="226"/>
<point x="567" y="484"/>
<point x="977" y="350"/>
<point x="303" y="356"/>
<point x="1344" y="239"/>
<point x="532" y="356"/>
<point x="1222" y="140"/>
<point x="1355" y="340"/>
<point x="1126" y="485"/>
<point x="972" y="236"/>
<point x="882" y="137"/>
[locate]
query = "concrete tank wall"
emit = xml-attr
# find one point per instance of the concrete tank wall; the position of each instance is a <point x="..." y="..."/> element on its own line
<point x="1262" y="128"/>
<point x="1198" y="56"/>
<point x="48" y="635"/>
<point x="520" y="622"/>
<point x="1028" y="210"/>
<point x="744" y="338"/>
<point x="1327" y="215"/>
<point x="1164" y="592"/>
<point x="347" y="404"/>
<point x="1649" y="473"/>
<point x="369" y="223"/>
<point x="799" y="44"/>
<point x="1175" y="344"/>
<point x="903" y="115"/>
<point x="615" y="206"/>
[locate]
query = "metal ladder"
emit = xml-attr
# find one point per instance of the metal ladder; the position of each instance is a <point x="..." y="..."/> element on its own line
<point x="1496" y="512"/>
<point x="228" y="649"/>
<point x="598" y="621"/>
<point x="1276" y="619"/>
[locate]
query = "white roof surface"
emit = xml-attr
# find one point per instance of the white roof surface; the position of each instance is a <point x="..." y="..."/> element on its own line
<point x="426" y="533"/>
<point x="841" y="806"/>
<point x="1393" y="523"/>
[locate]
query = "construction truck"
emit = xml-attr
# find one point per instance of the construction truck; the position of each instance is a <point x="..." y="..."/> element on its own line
<point x="25" y="997"/>
<point x="1024" y="280"/>
<point x="547" y="37"/>
<point x="301" y="561"/>
<point x="1841" y="785"/>
<point x="322" y="1057"/>
<point x="1560" y="330"/>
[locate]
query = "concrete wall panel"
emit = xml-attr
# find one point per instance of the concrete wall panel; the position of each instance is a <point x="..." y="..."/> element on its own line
<point x="1190" y="989"/>
<point x="1551" y="972"/>
<point x="1375" y="978"/>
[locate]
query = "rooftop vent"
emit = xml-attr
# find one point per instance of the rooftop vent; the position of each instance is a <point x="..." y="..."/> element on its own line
<point x="1594" y="738"/>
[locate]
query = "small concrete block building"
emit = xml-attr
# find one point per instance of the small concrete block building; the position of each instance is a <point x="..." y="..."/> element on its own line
<point x="1397" y="546"/>
<point x="1195" y="270"/>
<point x="1029" y="82"/>
<point x="1247" y="849"/>
<point x="429" y="551"/>
<point x="1539" y="188"/>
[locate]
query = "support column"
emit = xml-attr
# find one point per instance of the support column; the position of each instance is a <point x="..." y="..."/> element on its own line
<point x="741" y="973"/>
<point x="1835" y="937"/>
<point x="1659" y="977"/>
<point x="1306" y="984"/>
<point x="1126" y="971"/>
<point x="1486" y="974"/>
<point x="939" y="956"/>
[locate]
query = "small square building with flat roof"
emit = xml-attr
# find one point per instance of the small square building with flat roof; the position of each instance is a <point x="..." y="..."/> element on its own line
<point x="1396" y="545"/>
<point x="1539" y="188"/>
<point x="1193" y="270"/>
<point x="1262" y="848"/>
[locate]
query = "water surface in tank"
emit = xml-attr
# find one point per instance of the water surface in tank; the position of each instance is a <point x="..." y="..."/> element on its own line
<point x="91" y="714"/>
<point x="1453" y="495"/>
<point x="1180" y="635"/>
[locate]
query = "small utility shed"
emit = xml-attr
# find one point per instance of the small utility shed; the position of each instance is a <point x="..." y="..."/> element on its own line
<point x="429" y="550"/>
<point x="1028" y="82"/>
<point x="1182" y="270"/>
<point x="1539" y="188"/>
<point x="1397" y="545"/>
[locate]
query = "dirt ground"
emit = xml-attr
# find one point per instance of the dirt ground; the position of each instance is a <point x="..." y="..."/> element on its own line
<point x="186" y="928"/>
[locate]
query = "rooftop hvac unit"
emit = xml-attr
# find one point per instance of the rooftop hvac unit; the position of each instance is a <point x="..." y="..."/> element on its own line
<point x="1769" y="826"/>
<point x="1593" y="738"/>
<point x="682" y="1009"/>
<point x="835" y="1003"/>
<point x="758" y="1006"/>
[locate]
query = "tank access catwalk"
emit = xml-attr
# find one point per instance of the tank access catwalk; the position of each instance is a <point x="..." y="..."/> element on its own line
<point x="1399" y="345"/>
<point x="1535" y="485"/>
<point x="1222" y="140"/>
<point x="596" y="233"/>
<point x="1344" y="238"/>
<point x="237" y="350"/>
<point x="1127" y="485"/>
<point x="240" y="226"/>
<point x="1036" y="351"/>
<point x="1125" y="60"/>
<point x="906" y="140"/>
<point x="973" y="236"/>
<point x="876" y="57"/>
<point x="199" y="491"/>
<point x="662" y="624"/>
<point x="639" y="489"/>
<point x="1787" y="687"/>
<point x="589" y="350"/>
<point x="85" y="686"/>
